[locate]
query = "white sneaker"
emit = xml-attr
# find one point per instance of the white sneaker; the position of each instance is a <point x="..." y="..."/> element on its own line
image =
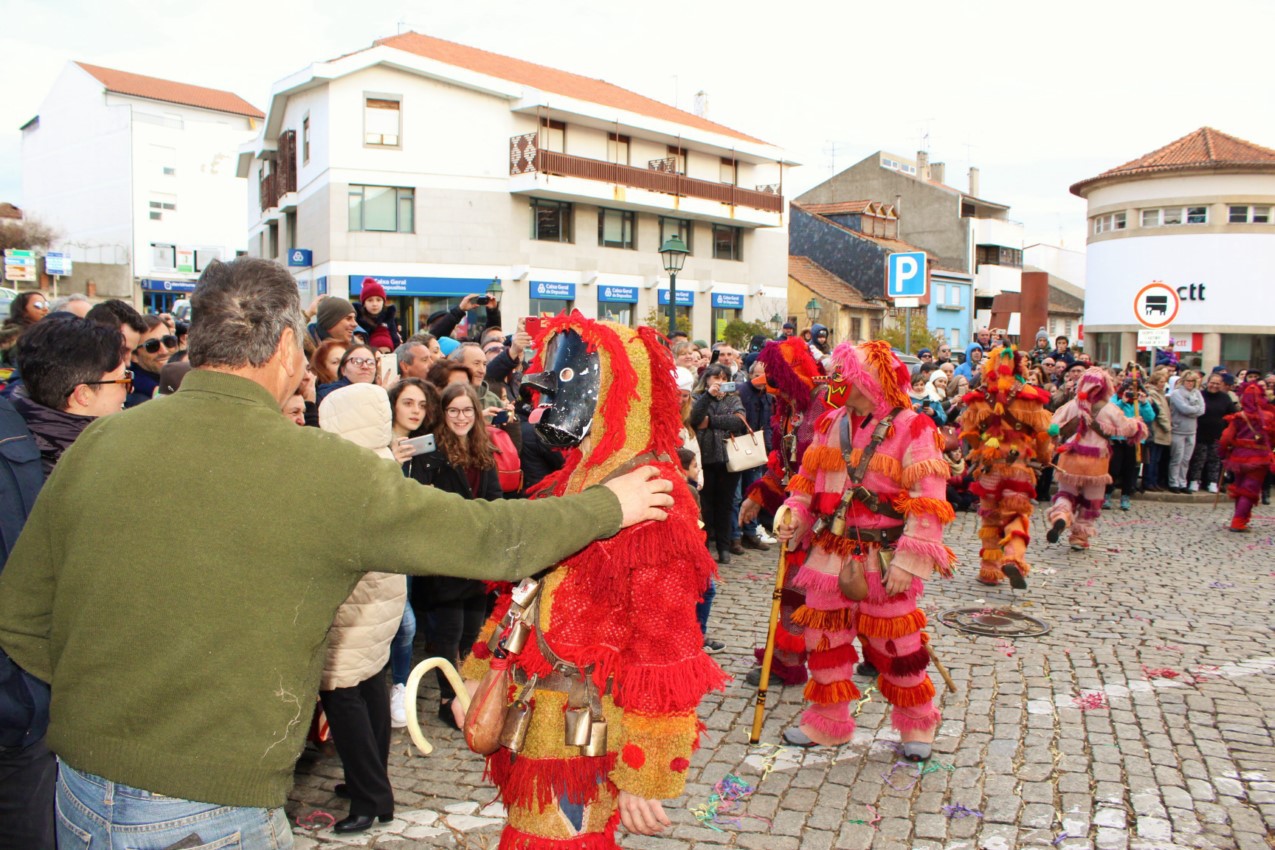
<point x="398" y="711"/>
<point x="764" y="536"/>
<point x="1195" y="486"/>
<point x="1213" y="487"/>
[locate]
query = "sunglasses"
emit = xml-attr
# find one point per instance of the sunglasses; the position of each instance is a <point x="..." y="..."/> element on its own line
<point x="152" y="345"/>
<point x="127" y="381"/>
<point x="39" y="305"/>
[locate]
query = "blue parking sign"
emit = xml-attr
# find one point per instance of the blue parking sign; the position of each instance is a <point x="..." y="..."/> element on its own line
<point x="906" y="275"/>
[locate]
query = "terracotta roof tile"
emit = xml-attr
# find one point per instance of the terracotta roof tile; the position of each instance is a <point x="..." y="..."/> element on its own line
<point x="852" y="208"/>
<point x="826" y="284"/>
<point x="167" y="91"/>
<point x="1206" y="149"/>
<point x="550" y="80"/>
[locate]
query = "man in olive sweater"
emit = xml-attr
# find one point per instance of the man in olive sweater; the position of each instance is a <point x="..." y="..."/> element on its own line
<point x="190" y="671"/>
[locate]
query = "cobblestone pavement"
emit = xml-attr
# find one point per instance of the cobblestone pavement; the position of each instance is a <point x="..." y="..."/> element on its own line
<point x="1141" y="720"/>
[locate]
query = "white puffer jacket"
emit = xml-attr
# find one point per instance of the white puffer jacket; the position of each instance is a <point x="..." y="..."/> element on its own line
<point x="366" y="622"/>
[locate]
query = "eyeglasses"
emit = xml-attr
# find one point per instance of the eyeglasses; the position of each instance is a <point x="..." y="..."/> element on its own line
<point x="152" y="345"/>
<point x="926" y="354"/>
<point x="127" y="381"/>
<point x="460" y="412"/>
<point x="365" y="362"/>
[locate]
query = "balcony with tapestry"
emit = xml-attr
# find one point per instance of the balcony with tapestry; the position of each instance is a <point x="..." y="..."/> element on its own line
<point x="657" y="188"/>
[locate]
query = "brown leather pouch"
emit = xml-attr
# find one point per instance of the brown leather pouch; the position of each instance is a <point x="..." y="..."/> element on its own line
<point x="851" y="580"/>
<point x="485" y="718"/>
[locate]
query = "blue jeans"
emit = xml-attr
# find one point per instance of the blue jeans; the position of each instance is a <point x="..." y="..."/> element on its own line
<point x="705" y="606"/>
<point x="93" y="812"/>
<point x="401" y="648"/>
<point x="747" y="479"/>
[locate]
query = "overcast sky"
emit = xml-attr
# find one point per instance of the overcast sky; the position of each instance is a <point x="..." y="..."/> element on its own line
<point x="1037" y="95"/>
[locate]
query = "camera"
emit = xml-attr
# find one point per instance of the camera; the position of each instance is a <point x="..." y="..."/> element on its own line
<point x="728" y="387"/>
<point x="482" y="300"/>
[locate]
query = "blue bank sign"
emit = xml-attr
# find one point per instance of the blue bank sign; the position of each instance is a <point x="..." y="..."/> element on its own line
<point x="618" y="294"/>
<point x="724" y="301"/>
<point x="151" y="285"/>
<point x="423" y="286"/>
<point x="554" y="291"/>
<point x="685" y="298"/>
<point x="300" y="258"/>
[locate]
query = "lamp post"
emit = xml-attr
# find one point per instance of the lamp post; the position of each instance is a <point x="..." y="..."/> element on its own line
<point x="673" y="252"/>
<point x="813" y="308"/>
<point x="776" y="323"/>
<point x="494" y="289"/>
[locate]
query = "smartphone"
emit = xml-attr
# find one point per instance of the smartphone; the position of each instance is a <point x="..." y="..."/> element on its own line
<point x="421" y="445"/>
<point x="389" y="367"/>
<point x="482" y="300"/>
<point x="728" y="387"/>
<point x="500" y="418"/>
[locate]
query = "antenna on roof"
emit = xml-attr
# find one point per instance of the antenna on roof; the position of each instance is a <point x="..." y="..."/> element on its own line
<point x="402" y="24"/>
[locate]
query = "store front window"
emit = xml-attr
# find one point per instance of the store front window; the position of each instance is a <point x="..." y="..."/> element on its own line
<point x="617" y="304"/>
<point x="549" y="298"/>
<point x="1248" y="351"/>
<point x="1103" y="348"/>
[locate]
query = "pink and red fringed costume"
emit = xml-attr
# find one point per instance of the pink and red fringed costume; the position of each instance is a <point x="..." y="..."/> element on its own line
<point x="794" y="380"/>
<point x="624" y="610"/>
<point x="1086" y="425"/>
<point x="1245" y="449"/>
<point x="902" y="515"/>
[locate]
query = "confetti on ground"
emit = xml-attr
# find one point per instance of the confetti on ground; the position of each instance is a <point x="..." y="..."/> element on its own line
<point x="1205" y="672"/>
<point x="724" y="803"/>
<point x="1062" y="836"/>
<point x="1160" y="672"/>
<point x="957" y="810"/>
<point x="931" y="766"/>
<point x="872" y="822"/>
<point x="1220" y="585"/>
<point x="1169" y="647"/>
<point x="316" y="820"/>
<point x="1089" y="582"/>
<point x="867" y="698"/>
<point x="1091" y="701"/>
<point x="1006" y="647"/>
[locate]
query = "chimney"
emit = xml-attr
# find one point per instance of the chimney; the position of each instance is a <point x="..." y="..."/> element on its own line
<point x="898" y="206"/>
<point x="701" y="107"/>
<point x="938" y="171"/>
<point x="973" y="181"/>
<point x="923" y="165"/>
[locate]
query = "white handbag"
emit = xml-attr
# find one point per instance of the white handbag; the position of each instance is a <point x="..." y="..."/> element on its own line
<point x="746" y="451"/>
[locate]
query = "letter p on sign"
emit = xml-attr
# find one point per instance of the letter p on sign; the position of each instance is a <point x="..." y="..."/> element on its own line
<point x="906" y="273"/>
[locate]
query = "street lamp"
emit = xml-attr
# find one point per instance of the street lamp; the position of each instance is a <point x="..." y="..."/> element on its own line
<point x="494" y="289"/>
<point x="812" y="310"/>
<point x="776" y="323"/>
<point x="673" y="252"/>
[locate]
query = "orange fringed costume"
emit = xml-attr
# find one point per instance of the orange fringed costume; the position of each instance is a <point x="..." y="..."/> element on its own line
<point x="1006" y="426"/>
<point x="623" y="607"/>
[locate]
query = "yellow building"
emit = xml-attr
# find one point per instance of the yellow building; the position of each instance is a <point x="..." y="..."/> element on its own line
<point x="841" y="307"/>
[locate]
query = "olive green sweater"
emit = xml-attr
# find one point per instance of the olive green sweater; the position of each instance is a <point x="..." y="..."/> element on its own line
<point x="178" y="575"/>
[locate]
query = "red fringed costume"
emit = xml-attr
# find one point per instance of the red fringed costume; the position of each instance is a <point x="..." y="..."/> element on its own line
<point x="897" y="516"/>
<point x="623" y="608"/>
<point x="795" y="381"/>
<point x="1245" y="449"/>
<point x="1006" y="425"/>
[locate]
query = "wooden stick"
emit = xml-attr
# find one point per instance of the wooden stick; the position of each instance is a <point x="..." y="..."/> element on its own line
<point x="409" y="697"/>
<point x="938" y="665"/>
<point x="759" y="713"/>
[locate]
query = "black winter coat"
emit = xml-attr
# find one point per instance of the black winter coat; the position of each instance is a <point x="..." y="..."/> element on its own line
<point x="724" y="416"/>
<point x="757" y="410"/>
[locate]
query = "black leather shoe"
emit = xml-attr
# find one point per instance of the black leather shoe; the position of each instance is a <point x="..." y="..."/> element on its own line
<point x="359" y="823"/>
<point x="723" y="556"/>
<point x="342" y="790"/>
<point x="736" y="548"/>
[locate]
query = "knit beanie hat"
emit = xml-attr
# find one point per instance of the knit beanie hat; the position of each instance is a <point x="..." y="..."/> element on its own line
<point x="371" y="289"/>
<point x="1042" y="334"/>
<point x="447" y="345"/>
<point x="381" y="338"/>
<point x="332" y="310"/>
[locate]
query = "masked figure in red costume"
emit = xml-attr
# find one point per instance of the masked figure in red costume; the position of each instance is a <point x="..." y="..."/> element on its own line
<point x="868" y="507"/>
<point x="795" y="380"/>
<point x="614" y="651"/>
<point x="1245" y="449"/>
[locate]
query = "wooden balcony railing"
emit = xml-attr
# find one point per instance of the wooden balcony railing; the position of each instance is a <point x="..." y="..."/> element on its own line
<point x="525" y="157"/>
<point x="282" y="175"/>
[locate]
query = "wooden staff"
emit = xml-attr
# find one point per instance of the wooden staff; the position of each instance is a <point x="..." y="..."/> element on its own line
<point x="409" y="697"/>
<point x="759" y="713"/>
<point x="938" y="665"/>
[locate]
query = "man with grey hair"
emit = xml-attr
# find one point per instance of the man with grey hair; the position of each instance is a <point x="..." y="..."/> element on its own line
<point x="414" y="359"/>
<point x="77" y="304"/>
<point x="142" y="649"/>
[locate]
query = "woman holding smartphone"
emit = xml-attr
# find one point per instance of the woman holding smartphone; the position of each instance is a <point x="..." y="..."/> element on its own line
<point x="416" y="413"/>
<point x="463" y="463"/>
<point x="716" y="414"/>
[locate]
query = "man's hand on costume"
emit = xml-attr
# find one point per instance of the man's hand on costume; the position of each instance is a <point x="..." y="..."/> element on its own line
<point x="789" y="525"/>
<point x="643" y="495"/>
<point x="897" y="581"/>
<point x="748" y="511"/>
<point x="644" y="817"/>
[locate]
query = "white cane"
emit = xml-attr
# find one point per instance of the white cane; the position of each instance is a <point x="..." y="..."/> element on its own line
<point x="414" y="682"/>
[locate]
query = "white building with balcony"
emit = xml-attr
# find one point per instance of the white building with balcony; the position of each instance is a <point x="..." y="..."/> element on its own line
<point x="435" y="168"/>
<point x="1198" y="216"/>
<point x="137" y="176"/>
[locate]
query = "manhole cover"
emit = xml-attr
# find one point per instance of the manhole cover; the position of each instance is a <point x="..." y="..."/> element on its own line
<point x="997" y="622"/>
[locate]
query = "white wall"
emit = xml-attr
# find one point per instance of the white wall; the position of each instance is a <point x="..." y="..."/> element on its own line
<point x="1238" y="272"/>
<point x="1058" y="261"/>
<point x="1180" y="188"/>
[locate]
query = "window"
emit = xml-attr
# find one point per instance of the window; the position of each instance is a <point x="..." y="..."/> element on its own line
<point x="551" y="221"/>
<point x="954" y="296"/>
<point x="1250" y="215"/>
<point x="615" y="229"/>
<point x="160" y="204"/>
<point x="1197" y="215"/>
<point x="1150" y="218"/>
<point x="305" y="139"/>
<point x="553" y="136"/>
<point x="1109" y="222"/>
<point x="383" y="209"/>
<point x="617" y="148"/>
<point x="940" y="293"/>
<point x="729" y="171"/>
<point x="996" y="255"/>
<point x="678" y="155"/>
<point x="292" y="229"/>
<point x="205" y="256"/>
<point x="954" y="338"/>
<point x="163" y="257"/>
<point x="1067" y="328"/>
<point x="381" y="122"/>
<point x="728" y="243"/>
<point x="670" y="227"/>
<point x="856" y="329"/>
<point x="272" y="240"/>
<point x="1172" y="216"/>
<point x="166" y="159"/>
